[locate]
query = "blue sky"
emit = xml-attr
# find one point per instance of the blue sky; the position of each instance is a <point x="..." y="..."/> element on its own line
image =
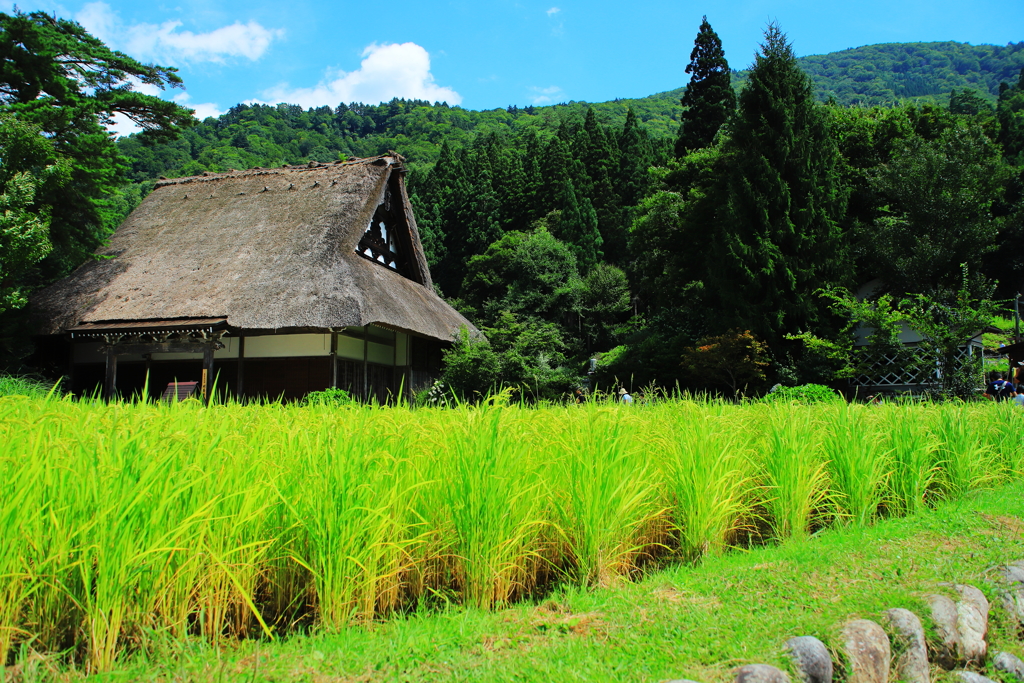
<point x="482" y="54"/>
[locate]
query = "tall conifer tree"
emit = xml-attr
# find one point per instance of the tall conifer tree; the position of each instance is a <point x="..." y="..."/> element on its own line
<point x="578" y="228"/>
<point x="778" y="238"/>
<point x="709" y="99"/>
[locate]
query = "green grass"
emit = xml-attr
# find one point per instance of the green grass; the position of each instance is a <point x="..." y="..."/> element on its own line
<point x="15" y="385"/>
<point x="135" y="531"/>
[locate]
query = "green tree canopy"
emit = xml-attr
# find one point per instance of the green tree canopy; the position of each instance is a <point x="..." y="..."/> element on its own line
<point x="527" y="273"/>
<point x="57" y="76"/>
<point x="777" y="238"/>
<point x="1010" y="112"/>
<point x="709" y="99"/>
<point x="938" y="197"/>
<point x="28" y="163"/>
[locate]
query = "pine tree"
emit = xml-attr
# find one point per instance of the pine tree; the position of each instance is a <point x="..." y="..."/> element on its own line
<point x="533" y="181"/>
<point x="709" y="99"/>
<point x="778" y="239"/>
<point x="1011" y="120"/>
<point x="578" y="228"/>
<point x="634" y="159"/>
<point x="599" y="155"/>
<point x="556" y="166"/>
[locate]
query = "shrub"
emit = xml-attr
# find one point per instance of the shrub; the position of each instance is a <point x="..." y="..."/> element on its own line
<point x="805" y="393"/>
<point x="328" y="397"/>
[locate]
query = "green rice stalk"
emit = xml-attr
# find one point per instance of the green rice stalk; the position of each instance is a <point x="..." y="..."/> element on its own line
<point x="858" y="467"/>
<point x="965" y="456"/>
<point x="351" y="511"/>
<point x="913" y="450"/>
<point x="606" y="492"/>
<point x="491" y="496"/>
<point x="706" y="469"/>
<point x="1007" y="442"/>
<point x="793" y="473"/>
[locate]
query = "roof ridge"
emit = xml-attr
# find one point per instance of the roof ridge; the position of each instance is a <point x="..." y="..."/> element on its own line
<point x="391" y="159"/>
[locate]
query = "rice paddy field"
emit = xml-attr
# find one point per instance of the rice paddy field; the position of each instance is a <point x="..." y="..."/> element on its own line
<point x="125" y="523"/>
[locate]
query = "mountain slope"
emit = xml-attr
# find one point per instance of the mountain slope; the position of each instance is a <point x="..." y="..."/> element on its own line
<point x="258" y="135"/>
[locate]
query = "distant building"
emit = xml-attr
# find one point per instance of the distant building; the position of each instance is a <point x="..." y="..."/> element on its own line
<point x="276" y="282"/>
<point x="914" y="370"/>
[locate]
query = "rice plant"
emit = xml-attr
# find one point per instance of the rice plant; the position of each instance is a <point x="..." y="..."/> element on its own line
<point x="794" y="474"/>
<point x="858" y="466"/>
<point x="605" y="495"/>
<point x="913" y="450"/>
<point x="1007" y="442"/>
<point x="965" y="450"/>
<point x="491" y="487"/>
<point x="707" y="474"/>
<point x="126" y="523"/>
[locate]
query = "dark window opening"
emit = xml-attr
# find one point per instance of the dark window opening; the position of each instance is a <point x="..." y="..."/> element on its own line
<point x="384" y="241"/>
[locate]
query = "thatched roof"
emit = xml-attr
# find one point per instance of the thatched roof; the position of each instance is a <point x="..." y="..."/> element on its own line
<point x="267" y="249"/>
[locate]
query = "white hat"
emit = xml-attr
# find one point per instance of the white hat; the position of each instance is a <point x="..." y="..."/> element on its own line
<point x="622" y="391"/>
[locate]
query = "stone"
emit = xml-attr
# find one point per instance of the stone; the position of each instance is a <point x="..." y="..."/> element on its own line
<point x="867" y="651"/>
<point x="811" y="659"/>
<point x="912" y="664"/>
<point x="972" y="622"/>
<point x="1012" y="601"/>
<point x="1011" y="592"/>
<point x="760" y="673"/>
<point x="947" y="652"/>
<point x="1012" y="573"/>
<point x="971" y="677"/>
<point x="1007" y="663"/>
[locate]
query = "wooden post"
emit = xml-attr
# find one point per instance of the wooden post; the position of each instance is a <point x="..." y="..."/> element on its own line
<point x="71" y="367"/>
<point x="207" y="386"/>
<point x="110" y="381"/>
<point x="240" y="382"/>
<point x="334" y="359"/>
<point x="366" y="367"/>
<point x="394" y="365"/>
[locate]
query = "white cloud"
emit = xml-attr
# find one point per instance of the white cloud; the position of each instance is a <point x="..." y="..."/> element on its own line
<point x="145" y="88"/>
<point x="124" y="126"/>
<point x="166" y="44"/>
<point x="387" y="71"/>
<point x="545" y="95"/>
<point x="557" y="25"/>
<point x="203" y="109"/>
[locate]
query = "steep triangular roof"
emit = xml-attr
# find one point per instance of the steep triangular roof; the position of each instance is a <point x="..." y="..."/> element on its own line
<point x="265" y="249"/>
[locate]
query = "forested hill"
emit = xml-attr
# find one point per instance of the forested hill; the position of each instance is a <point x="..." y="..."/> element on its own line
<point x="891" y="72"/>
<point x="255" y="135"/>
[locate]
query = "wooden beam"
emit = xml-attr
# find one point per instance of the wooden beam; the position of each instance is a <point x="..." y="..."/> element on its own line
<point x="207" y="374"/>
<point x="162" y="347"/>
<point x="110" y="380"/>
<point x="334" y="359"/>
<point x="149" y="366"/>
<point x="240" y="384"/>
<point x="71" y="366"/>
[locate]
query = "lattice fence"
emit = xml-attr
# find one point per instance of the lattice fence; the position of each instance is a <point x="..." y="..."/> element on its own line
<point x="910" y="366"/>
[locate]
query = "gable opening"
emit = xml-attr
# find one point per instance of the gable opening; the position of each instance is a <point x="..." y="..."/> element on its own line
<point x="387" y="240"/>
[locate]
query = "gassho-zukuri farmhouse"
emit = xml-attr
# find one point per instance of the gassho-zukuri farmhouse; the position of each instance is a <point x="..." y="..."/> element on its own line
<point x="269" y="282"/>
